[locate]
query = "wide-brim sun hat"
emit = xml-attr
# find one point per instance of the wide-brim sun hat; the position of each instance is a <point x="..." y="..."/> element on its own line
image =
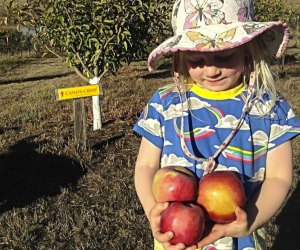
<point x="216" y="25"/>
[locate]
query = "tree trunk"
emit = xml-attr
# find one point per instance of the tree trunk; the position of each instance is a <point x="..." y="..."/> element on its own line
<point x="97" y="119"/>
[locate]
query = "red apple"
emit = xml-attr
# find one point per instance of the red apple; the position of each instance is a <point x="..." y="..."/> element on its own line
<point x="185" y="220"/>
<point x="174" y="184"/>
<point x="220" y="193"/>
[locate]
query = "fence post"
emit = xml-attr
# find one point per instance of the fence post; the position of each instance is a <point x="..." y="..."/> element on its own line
<point x="297" y="31"/>
<point x="79" y="109"/>
<point x="80" y="126"/>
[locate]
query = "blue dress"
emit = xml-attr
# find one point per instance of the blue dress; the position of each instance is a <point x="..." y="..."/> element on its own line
<point x="209" y="117"/>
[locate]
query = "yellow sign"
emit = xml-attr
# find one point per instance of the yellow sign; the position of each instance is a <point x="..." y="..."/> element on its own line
<point x="77" y="92"/>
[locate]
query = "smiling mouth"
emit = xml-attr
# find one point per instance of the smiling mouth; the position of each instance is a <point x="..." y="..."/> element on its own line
<point x="215" y="81"/>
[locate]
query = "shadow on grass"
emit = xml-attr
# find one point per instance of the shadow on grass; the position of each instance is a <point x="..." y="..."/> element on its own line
<point x="2" y="130"/>
<point x="157" y="75"/>
<point x="162" y="71"/>
<point x="288" y="222"/>
<point x="26" y="175"/>
<point x="106" y="141"/>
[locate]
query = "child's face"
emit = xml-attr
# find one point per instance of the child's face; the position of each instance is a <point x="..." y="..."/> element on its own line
<point x="216" y="71"/>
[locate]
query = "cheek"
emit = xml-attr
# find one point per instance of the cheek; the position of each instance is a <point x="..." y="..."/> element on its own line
<point x="195" y="72"/>
<point x="236" y="68"/>
<point x="234" y="71"/>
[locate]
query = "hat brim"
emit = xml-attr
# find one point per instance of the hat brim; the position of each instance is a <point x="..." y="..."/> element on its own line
<point x="220" y="37"/>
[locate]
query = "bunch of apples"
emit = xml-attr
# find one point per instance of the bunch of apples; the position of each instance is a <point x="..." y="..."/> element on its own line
<point x="192" y="202"/>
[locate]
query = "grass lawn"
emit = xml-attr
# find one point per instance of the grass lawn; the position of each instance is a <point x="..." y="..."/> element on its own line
<point x="54" y="195"/>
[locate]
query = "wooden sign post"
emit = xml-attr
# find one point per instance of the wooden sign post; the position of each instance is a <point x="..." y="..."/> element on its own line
<point x="80" y="128"/>
<point x="79" y="110"/>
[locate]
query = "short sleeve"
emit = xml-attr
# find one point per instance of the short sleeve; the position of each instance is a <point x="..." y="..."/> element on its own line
<point x="285" y="124"/>
<point x="150" y="122"/>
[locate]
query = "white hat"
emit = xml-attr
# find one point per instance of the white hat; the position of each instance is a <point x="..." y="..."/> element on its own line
<point x="216" y="25"/>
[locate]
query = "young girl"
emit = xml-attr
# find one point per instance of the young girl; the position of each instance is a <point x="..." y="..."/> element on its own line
<point x="221" y="113"/>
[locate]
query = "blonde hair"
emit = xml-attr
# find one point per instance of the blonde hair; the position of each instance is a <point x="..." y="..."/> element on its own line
<point x="265" y="82"/>
<point x="258" y="61"/>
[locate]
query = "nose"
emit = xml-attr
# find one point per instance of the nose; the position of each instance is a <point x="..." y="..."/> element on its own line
<point x="212" y="70"/>
<point x="211" y="66"/>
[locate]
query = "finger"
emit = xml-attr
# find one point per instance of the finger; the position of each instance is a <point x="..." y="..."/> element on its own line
<point x="154" y="215"/>
<point x="241" y="215"/>
<point x="191" y="248"/>
<point x="179" y="246"/>
<point x="212" y="237"/>
<point x="163" y="237"/>
<point x="158" y="209"/>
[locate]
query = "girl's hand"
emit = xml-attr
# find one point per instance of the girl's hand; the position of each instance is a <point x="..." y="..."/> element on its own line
<point x="237" y="228"/>
<point x="164" y="238"/>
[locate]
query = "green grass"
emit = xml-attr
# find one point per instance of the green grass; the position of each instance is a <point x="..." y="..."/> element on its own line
<point x="54" y="195"/>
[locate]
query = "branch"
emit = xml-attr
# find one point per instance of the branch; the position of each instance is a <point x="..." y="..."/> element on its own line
<point x="78" y="72"/>
<point x="51" y="51"/>
<point x="103" y="73"/>
<point x="95" y="62"/>
<point x="83" y="65"/>
<point x="96" y="70"/>
<point x="107" y="42"/>
<point x="70" y="18"/>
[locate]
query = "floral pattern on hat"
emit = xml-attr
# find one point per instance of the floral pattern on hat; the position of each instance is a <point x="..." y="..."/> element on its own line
<point x="245" y="11"/>
<point x="219" y="40"/>
<point x="215" y="25"/>
<point x="208" y="12"/>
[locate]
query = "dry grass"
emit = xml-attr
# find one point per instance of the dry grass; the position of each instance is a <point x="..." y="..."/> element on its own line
<point x="53" y="195"/>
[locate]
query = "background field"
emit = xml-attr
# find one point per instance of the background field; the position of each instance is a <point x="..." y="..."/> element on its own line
<point x="53" y="195"/>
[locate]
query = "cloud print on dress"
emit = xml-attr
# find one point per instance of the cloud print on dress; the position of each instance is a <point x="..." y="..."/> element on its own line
<point x="291" y="114"/>
<point x="158" y="107"/>
<point x="259" y="138"/>
<point x="167" y="143"/>
<point x="163" y="131"/>
<point x="229" y="121"/>
<point x="195" y="103"/>
<point x="278" y="130"/>
<point x="174" y="160"/>
<point x="176" y="110"/>
<point x="152" y="126"/>
<point x="260" y="108"/>
<point x="259" y="175"/>
<point x="220" y="167"/>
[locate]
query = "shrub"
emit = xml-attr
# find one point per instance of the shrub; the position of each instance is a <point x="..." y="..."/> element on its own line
<point x="273" y="10"/>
